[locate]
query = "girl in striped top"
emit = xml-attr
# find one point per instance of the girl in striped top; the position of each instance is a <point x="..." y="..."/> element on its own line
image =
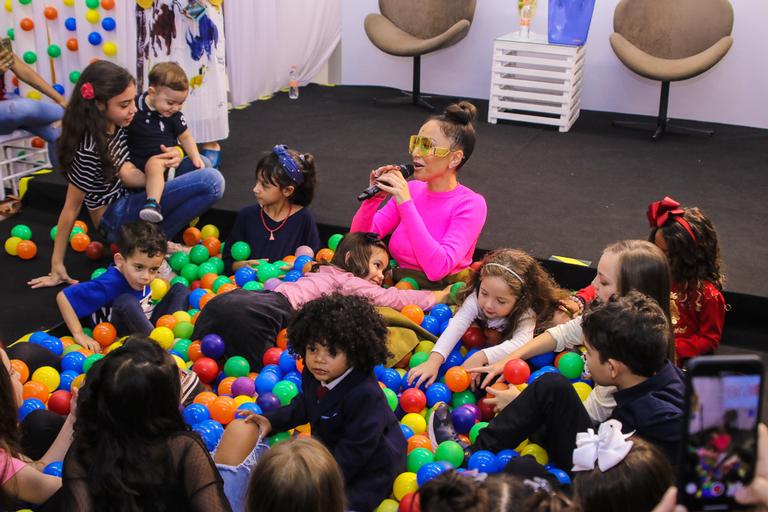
<point x="94" y="158"/>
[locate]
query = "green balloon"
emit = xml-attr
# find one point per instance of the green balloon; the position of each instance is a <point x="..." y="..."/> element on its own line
<point x="267" y="271"/>
<point x="30" y="57"/>
<point x="90" y="360"/>
<point x="74" y="76"/>
<point x="285" y="390"/>
<point x="218" y="263"/>
<point x="475" y="430"/>
<point x="391" y="398"/>
<point x="419" y="457"/>
<point x="280" y="436"/>
<point x="182" y="347"/>
<point x="463" y="398"/>
<point x="417" y="359"/>
<point x="198" y="254"/>
<point x="92" y="4"/>
<point x="218" y="282"/>
<point x="183" y="330"/>
<point x="54" y="51"/>
<point x="571" y="365"/>
<point x="237" y="366"/>
<point x="253" y="286"/>
<point x="456" y="288"/>
<point x="189" y="272"/>
<point x="22" y="231"/>
<point x="178" y="260"/>
<point x="207" y="267"/>
<point x="96" y="273"/>
<point x="180" y="279"/>
<point x="451" y="452"/>
<point x="333" y="242"/>
<point x="240" y="251"/>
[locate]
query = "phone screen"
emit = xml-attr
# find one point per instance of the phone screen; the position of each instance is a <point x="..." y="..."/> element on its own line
<point x="722" y="435"/>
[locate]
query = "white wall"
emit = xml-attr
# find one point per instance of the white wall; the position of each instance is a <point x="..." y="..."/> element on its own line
<point x="734" y="92"/>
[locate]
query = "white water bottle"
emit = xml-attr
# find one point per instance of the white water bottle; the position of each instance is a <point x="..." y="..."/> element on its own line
<point x="526" y="16"/>
<point x="293" y="84"/>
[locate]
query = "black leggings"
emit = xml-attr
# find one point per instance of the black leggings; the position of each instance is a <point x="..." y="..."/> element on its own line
<point x="33" y="355"/>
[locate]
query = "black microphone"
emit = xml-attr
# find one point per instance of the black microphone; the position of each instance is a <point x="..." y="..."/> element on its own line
<point x="405" y="169"/>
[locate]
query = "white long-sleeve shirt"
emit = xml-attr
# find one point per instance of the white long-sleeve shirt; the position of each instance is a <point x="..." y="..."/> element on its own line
<point x="468" y="313"/>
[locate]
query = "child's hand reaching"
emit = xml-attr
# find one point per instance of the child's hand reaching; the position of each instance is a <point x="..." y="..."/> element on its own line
<point x="197" y="162"/>
<point x="491" y="370"/>
<point x="501" y="398"/>
<point x="265" y="427"/>
<point x="443" y="296"/>
<point x="473" y="361"/>
<point x="426" y="372"/>
<point x="86" y="341"/>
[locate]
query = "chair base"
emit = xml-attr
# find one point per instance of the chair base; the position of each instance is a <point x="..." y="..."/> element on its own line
<point x="659" y="129"/>
<point x="407" y="98"/>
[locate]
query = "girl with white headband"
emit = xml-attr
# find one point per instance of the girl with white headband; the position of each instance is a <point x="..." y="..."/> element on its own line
<point x="510" y="296"/>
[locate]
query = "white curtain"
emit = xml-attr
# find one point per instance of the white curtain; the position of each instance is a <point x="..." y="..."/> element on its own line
<point x="266" y="37"/>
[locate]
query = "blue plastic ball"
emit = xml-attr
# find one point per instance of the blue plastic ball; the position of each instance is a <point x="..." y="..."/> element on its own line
<point x="429" y="471"/>
<point x="438" y="392"/>
<point x="431" y="324"/>
<point x="292" y="276"/>
<point x="210" y="432"/>
<point x="463" y="418"/>
<point x="250" y="406"/>
<point x="266" y="381"/>
<point x="391" y="379"/>
<point x="504" y="456"/>
<point x="94" y="38"/>
<point x="535" y="375"/>
<point x="65" y="379"/>
<point x="73" y="361"/>
<point x="70" y="24"/>
<point x="483" y="461"/>
<point x="59" y="88"/>
<point x="294" y="377"/>
<point x="548" y="369"/>
<point x="542" y="360"/>
<point x="212" y="345"/>
<point x="444" y="326"/>
<point x="300" y="261"/>
<point x="54" y="469"/>
<point x="441" y="312"/>
<point x="268" y="402"/>
<point x="244" y="275"/>
<point x="561" y="476"/>
<point x="37" y="337"/>
<point x="287" y="362"/>
<point x="454" y="359"/>
<point x="108" y="24"/>
<point x="53" y="344"/>
<point x="29" y="405"/>
<point x="407" y="432"/>
<point x="195" y="413"/>
<point x="377" y="371"/>
<point x="273" y="368"/>
<point x="194" y="298"/>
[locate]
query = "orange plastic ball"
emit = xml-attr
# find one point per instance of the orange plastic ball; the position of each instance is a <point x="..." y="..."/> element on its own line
<point x="225" y="386"/>
<point x="194" y="317"/>
<point x="226" y="287"/>
<point x="34" y="389"/>
<point x="50" y="13"/>
<point x="72" y="44"/>
<point x="205" y="398"/>
<point x="37" y="142"/>
<point x="307" y="268"/>
<point x="213" y="245"/>
<point x="222" y="409"/>
<point x="289" y="259"/>
<point x="207" y="280"/>
<point x="82" y="225"/>
<point x="414" y="313"/>
<point x="191" y="236"/>
<point x="194" y="352"/>
<point x="282" y="339"/>
<point x="80" y="242"/>
<point x="22" y="369"/>
<point x="27" y="24"/>
<point x="205" y="298"/>
<point x="168" y="321"/>
<point x="324" y="255"/>
<point x="457" y="379"/>
<point x="26" y="249"/>
<point x="105" y="333"/>
<point x="404" y="285"/>
<point x="419" y="441"/>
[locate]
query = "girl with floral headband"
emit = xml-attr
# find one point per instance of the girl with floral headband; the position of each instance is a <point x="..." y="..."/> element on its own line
<point x="93" y="155"/>
<point x="280" y="222"/>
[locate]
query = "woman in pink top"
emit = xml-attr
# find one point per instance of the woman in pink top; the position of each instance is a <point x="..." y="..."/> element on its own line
<point x="434" y="220"/>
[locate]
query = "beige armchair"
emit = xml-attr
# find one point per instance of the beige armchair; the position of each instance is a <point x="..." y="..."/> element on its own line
<point x="412" y="28"/>
<point x="670" y="40"/>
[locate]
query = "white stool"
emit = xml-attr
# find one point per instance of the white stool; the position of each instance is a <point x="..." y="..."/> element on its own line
<point x="18" y="159"/>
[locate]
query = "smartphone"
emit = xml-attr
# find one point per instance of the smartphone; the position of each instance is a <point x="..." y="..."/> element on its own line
<point x="6" y="42"/>
<point x="718" y="450"/>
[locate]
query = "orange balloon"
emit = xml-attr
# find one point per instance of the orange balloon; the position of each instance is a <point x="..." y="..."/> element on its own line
<point x="213" y="245"/>
<point x="191" y="236"/>
<point x="194" y="351"/>
<point x="50" y="13"/>
<point x="34" y="389"/>
<point x="457" y="379"/>
<point x="80" y="242"/>
<point x="225" y="386"/>
<point x="226" y="287"/>
<point x="105" y="333"/>
<point x="324" y="255"/>
<point x="404" y="285"/>
<point x="419" y="441"/>
<point x="27" y="24"/>
<point x="82" y="225"/>
<point x="21" y="367"/>
<point x="207" y="280"/>
<point x="26" y="249"/>
<point x="168" y="321"/>
<point x="37" y="142"/>
<point x="414" y="313"/>
<point x="222" y="409"/>
<point x="72" y="44"/>
<point x="205" y="398"/>
<point x="282" y="339"/>
<point x="107" y="5"/>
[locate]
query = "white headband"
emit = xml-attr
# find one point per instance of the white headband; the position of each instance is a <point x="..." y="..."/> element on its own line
<point x="508" y="270"/>
<point x="608" y="447"/>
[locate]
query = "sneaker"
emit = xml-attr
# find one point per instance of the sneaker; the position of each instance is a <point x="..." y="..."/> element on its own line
<point x="151" y="211"/>
<point x="440" y="427"/>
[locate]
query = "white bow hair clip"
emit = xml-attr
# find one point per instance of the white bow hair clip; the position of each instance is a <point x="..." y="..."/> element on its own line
<point x="608" y="447"/>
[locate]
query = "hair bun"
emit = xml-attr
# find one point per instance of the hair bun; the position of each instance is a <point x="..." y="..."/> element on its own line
<point x="462" y="112"/>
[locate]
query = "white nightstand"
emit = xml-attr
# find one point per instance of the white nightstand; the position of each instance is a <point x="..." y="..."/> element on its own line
<point x="536" y="82"/>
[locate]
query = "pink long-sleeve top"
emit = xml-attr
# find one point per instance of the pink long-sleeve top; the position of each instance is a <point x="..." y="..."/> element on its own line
<point x="434" y="232"/>
<point x="329" y="279"/>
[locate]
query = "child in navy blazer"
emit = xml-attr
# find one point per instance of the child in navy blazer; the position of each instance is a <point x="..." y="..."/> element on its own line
<point x="341" y="338"/>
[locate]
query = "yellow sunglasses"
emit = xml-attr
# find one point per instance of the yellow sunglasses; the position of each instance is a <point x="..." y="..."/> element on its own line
<point x="425" y="147"/>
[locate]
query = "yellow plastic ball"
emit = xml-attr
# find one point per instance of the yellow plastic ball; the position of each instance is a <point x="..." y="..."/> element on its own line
<point x="208" y="231"/>
<point x="163" y="336"/>
<point x="34" y="95"/>
<point x="388" y="505"/>
<point x="92" y="15"/>
<point x="25" y="337"/>
<point x="522" y="386"/>
<point x="242" y="399"/>
<point x="400" y="371"/>
<point x="8" y="6"/>
<point x="145" y="4"/>
<point x="48" y="377"/>
<point x="78" y="381"/>
<point x="113" y="346"/>
<point x="182" y="316"/>
<point x="415" y="422"/>
<point x="159" y="289"/>
<point x="110" y="49"/>
<point x="537" y="452"/>
<point x="179" y="362"/>
<point x="582" y="389"/>
<point x="69" y="3"/>
<point x="11" y="244"/>
<point x="405" y="483"/>
<point x="521" y="446"/>
<point x="425" y="346"/>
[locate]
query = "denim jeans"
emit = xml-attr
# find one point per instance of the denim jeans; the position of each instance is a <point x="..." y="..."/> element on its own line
<point x="128" y="318"/>
<point x="33" y="116"/>
<point x="184" y="198"/>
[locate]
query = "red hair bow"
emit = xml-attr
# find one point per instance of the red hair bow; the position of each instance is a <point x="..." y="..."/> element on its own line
<point x="661" y="212"/>
<point x="86" y="91"/>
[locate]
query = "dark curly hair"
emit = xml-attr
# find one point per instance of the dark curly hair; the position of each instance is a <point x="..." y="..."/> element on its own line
<point x="127" y="411"/>
<point x="692" y="261"/>
<point x="342" y="323"/>
<point x="142" y="236"/>
<point x="269" y="170"/>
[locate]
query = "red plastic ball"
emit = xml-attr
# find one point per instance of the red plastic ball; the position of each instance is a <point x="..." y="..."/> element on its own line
<point x="517" y="371"/>
<point x="473" y="338"/>
<point x="413" y="400"/>
<point x="492" y="337"/>
<point x="272" y="356"/>
<point x="410" y="503"/>
<point x="59" y="402"/>
<point x="37" y="142"/>
<point x="206" y="368"/>
<point x="486" y="409"/>
<point x="95" y="251"/>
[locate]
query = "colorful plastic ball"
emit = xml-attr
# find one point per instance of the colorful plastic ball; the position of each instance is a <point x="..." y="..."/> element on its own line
<point x="29" y="405"/>
<point x="287" y="362"/>
<point x="333" y="241"/>
<point x="194" y="296"/>
<point x="272" y="283"/>
<point x="250" y="406"/>
<point x="11" y="245"/>
<point x="53" y="344"/>
<point x="391" y="379"/>
<point x="244" y="275"/>
<point x="457" y="379"/>
<point x="407" y="432"/>
<point x="178" y="260"/>
<point x="108" y="24"/>
<point x="206" y="368"/>
<point x="240" y="251"/>
<point x="413" y="400"/>
<point x="54" y="51"/>
<point x="451" y="452"/>
<point x="74" y="76"/>
<point x="268" y="402"/>
<point x="195" y="413"/>
<point x="219" y="282"/>
<point x="73" y="361"/>
<point x="92" y="4"/>
<point x="483" y="461"/>
<point x="212" y="346"/>
<point x="324" y="255"/>
<point x="92" y="16"/>
<point x="504" y="456"/>
<point x="562" y="476"/>
<point x="107" y="5"/>
<point x="273" y="368"/>
<point x="437" y="392"/>
<point x="22" y="369"/>
<point x="26" y="24"/>
<point x="299" y="262"/>
<point x="431" y="325"/>
<point x="405" y="483"/>
<point x="48" y="377"/>
<point x="26" y="249"/>
<point x="59" y="402"/>
<point x="163" y="336"/>
<point x="542" y="360"/>
<point x="50" y="13"/>
<point x="183" y="330"/>
<point x="94" y="38"/>
<point x="391" y="397"/>
<point x="70" y="24"/>
<point x="109" y="49"/>
<point x="209" y="230"/>
<point x="105" y="333"/>
<point x="266" y="381"/>
<point x="222" y="410"/>
<point x="415" y="422"/>
<point x="414" y="313"/>
<point x="54" y="468"/>
<point x="237" y="366"/>
<point x="208" y="433"/>
<point x="463" y="419"/>
<point x="517" y="371"/>
<point x="21" y="231"/>
<point x="582" y="389"/>
<point x="441" y="312"/>
<point x="90" y="361"/>
<point x="571" y="365"/>
<point x="243" y="386"/>
<point x="198" y="254"/>
<point x="34" y="389"/>
<point x="285" y="391"/>
<point x="473" y="338"/>
<point x="537" y="452"/>
<point x="267" y="271"/>
<point x="429" y="471"/>
<point x="417" y="359"/>
<point x="79" y="242"/>
<point x="271" y="356"/>
<point x="191" y="236"/>
<point x="388" y="505"/>
<point x="475" y="430"/>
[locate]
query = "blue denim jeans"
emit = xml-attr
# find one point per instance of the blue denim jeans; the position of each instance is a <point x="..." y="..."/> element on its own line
<point x="33" y="116"/>
<point x="184" y="198"/>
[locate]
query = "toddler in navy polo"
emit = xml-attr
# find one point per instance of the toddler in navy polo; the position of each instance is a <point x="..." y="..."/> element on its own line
<point x="158" y="125"/>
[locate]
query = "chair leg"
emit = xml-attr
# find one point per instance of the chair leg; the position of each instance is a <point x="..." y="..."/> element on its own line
<point x="412" y="98"/>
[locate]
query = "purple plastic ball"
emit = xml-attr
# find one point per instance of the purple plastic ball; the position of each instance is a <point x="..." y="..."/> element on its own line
<point x="268" y="402"/>
<point x="212" y="345"/>
<point x="272" y="283"/>
<point x="243" y="386"/>
<point x="463" y="419"/>
<point x="475" y="409"/>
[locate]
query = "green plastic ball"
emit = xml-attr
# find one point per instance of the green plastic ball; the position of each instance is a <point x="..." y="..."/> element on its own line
<point x="218" y="263"/>
<point x="90" y="360"/>
<point x="417" y="359"/>
<point x="183" y="330"/>
<point x="285" y="390"/>
<point x="54" y="51"/>
<point x="54" y="230"/>
<point x="267" y="271"/>
<point x="253" y="286"/>
<point x="455" y="289"/>
<point x="92" y="4"/>
<point x="180" y="279"/>
<point x="475" y="430"/>
<point x="25" y="2"/>
<point x="419" y="457"/>
<point x="280" y="436"/>
<point x="451" y="452"/>
<point x="198" y="254"/>
<point x="241" y="251"/>
<point x="207" y="267"/>
<point x="74" y="76"/>
<point x="189" y="272"/>
<point x="22" y="231"/>
<point x="237" y="366"/>
<point x="11" y="34"/>
<point x="88" y="331"/>
<point x="333" y="242"/>
<point x="571" y="365"/>
<point x="182" y="347"/>
<point x="393" y="263"/>
<point x="30" y="57"/>
<point x="218" y="282"/>
<point x="178" y="260"/>
<point x="96" y="273"/>
<point x="391" y="398"/>
<point x="463" y="398"/>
